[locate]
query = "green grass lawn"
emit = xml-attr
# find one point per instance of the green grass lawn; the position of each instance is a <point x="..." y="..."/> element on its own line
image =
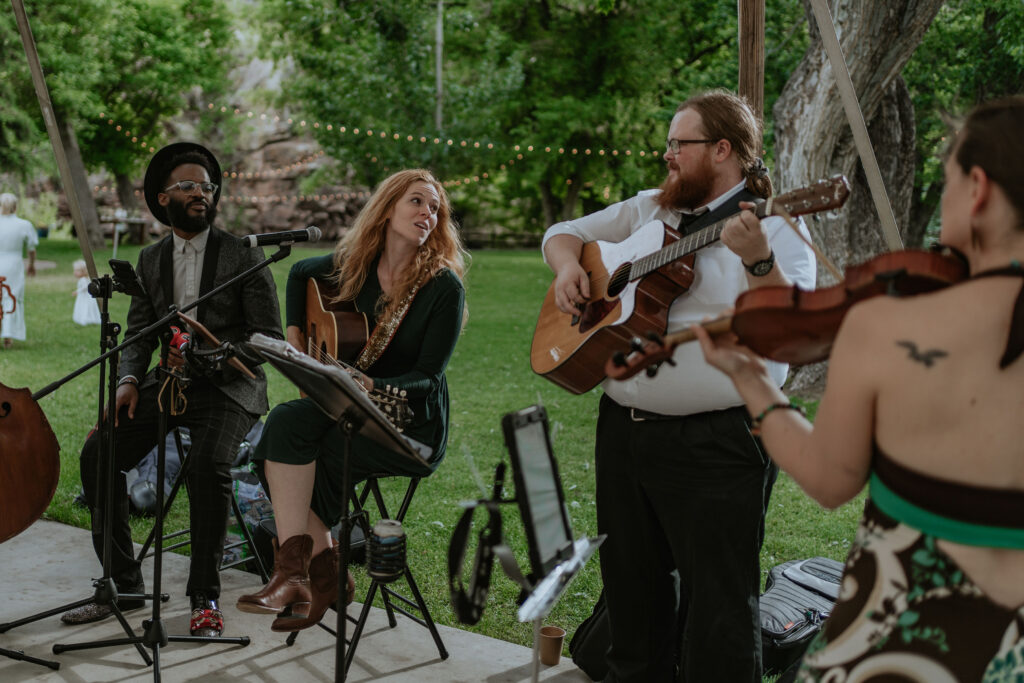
<point x="489" y="375"/>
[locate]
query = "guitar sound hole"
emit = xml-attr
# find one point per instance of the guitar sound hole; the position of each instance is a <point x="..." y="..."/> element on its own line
<point x="619" y="280"/>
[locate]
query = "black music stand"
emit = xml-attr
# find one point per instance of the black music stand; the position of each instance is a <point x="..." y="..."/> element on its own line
<point x="343" y="400"/>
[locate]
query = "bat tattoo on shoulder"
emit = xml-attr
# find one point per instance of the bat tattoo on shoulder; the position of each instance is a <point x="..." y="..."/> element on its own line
<point x="927" y="358"/>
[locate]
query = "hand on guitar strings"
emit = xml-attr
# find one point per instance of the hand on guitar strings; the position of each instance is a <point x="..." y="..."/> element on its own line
<point x="572" y="288"/>
<point x="364" y="381"/>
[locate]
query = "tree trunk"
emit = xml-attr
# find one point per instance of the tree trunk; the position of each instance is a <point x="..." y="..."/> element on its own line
<point x="80" y="182"/>
<point x="126" y="195"/>
<point x="813" y="137"/>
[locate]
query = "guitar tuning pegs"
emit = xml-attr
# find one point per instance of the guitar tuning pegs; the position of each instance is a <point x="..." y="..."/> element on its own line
<point x="619" y="359"/>
<point x="654" y="337"/>
<point x="636" y="344"/>
<point x="402" y="395"/>
<point x="652" y="370"/>
<point x="670" y="361"/>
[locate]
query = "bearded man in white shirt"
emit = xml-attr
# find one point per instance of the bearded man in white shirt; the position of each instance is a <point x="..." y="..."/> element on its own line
<point x="682" y="485"/>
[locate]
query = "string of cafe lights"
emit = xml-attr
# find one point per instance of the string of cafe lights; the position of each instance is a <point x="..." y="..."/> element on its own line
<point x="273" y="172"/>
<point x="425" y="139"/>
<point x="260" y="199"/>
<point x="520" y="149"/>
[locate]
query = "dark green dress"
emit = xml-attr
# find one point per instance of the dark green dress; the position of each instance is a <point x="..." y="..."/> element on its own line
<point x="297" y="432"/>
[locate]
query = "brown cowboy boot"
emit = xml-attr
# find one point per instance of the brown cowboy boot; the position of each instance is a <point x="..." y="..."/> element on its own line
<point x="289" y="585"/>
<point x="323" y="581"/>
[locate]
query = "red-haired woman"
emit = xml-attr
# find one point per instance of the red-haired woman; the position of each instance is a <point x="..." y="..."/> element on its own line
<point x="401" y="264"/>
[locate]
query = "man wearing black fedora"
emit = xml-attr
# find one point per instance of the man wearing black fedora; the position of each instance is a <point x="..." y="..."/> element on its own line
<point x="182" y="188"/>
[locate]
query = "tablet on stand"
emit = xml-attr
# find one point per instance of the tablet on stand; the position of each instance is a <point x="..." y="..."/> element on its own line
<point x="555" y="557"/>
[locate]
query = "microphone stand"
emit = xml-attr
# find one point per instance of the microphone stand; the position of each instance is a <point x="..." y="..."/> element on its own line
<point x="155" y="635"/>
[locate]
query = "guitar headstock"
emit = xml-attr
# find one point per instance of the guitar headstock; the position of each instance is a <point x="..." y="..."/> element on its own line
<point x="821" y="196"/>
<point x="393" y="403"/>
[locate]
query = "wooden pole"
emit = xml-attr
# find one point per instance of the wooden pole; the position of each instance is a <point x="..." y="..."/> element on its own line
<point x="751" y="43"/>
<point x="53" y="130"/>
<point x="438" y="64"/>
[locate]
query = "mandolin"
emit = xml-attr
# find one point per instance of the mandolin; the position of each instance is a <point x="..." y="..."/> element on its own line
<point x="632" y="286"/>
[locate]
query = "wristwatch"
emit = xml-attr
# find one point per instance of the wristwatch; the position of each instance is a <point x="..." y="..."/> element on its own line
<point x="762" y="267"/>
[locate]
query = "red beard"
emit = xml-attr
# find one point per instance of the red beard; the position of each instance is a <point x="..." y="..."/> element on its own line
<point x="687" y="191"/>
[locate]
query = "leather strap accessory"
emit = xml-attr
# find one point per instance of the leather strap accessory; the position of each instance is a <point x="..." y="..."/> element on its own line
<point x="762" y="267"/>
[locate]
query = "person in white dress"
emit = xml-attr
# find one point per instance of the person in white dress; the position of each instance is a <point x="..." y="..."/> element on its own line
<point x="86" y="311"/>
<point x="16" y="236"/>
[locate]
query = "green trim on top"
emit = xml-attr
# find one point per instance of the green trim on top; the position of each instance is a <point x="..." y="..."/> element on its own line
<point x="968" y="533"/>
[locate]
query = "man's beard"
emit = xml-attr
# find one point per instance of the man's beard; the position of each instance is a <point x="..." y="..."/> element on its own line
<point x="177" y="213"/>
<point x="687" y="192"/>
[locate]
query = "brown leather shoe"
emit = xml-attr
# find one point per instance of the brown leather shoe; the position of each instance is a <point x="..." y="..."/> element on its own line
<point x="289" y="585"/>
<point x="323" y="580"/>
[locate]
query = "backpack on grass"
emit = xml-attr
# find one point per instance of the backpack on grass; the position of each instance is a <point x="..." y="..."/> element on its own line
<point x="798" y="597"/>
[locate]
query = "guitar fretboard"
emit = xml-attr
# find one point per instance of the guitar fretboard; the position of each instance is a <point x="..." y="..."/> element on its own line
<point x="687" y="245"/>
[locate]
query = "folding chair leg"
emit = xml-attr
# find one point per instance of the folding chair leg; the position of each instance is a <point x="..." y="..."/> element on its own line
<point x="247" y="535"/>
<point x="426" y="614"/>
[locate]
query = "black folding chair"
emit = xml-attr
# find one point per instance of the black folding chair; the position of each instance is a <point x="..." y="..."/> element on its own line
<point x="393" y="600"/>
<point x="247" y="539"/>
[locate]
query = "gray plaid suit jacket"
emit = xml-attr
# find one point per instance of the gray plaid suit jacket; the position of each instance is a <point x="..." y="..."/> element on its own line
<point x="233" y="315"/>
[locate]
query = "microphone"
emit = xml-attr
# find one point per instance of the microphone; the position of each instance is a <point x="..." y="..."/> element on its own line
<point x="310" y="234"/>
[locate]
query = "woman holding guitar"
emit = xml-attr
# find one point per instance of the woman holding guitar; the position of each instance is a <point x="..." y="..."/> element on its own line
<point x="400" y="265"/>
<point x="924" y="402"/>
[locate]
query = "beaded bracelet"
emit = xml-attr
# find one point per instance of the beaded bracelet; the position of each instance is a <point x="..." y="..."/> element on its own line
<point x="755" y="424"/>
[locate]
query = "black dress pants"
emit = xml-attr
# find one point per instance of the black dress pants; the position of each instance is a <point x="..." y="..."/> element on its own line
<point x="688" y="494"/>
<point x="217" y="426"/>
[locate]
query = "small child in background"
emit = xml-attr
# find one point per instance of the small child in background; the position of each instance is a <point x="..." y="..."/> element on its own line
<point x="86" y="311"/>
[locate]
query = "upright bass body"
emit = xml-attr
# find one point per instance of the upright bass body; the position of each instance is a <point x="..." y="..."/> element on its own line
<point x="29" y="461"/>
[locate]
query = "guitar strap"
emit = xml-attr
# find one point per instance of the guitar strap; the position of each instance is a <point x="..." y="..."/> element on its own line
<point x="691" y="223"/>
<point x="385" y="330"/>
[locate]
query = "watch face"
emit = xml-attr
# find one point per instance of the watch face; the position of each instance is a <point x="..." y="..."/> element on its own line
<point x="762" y="268"/>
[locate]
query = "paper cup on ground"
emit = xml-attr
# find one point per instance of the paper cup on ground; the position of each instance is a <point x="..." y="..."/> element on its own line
<point x="551" y="638"/>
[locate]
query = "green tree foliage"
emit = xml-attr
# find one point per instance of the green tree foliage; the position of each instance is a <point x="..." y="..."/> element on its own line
<point x="134" y="60"/>
<point x="973" y="51"/>
<point x="580" y="75"/>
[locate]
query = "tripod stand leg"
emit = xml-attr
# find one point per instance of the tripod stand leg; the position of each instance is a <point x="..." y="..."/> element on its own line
<point x="22" y="657"/>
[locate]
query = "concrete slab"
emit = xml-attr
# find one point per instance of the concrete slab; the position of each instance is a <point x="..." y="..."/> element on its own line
<point x="51" y="564"/>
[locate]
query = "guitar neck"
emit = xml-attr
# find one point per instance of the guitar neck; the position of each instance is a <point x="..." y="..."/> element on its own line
<point x="677" y="250"/>
<point x="688" y="244"/>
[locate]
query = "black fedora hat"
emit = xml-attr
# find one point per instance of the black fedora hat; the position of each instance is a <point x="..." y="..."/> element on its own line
<point x="160" y="167"/>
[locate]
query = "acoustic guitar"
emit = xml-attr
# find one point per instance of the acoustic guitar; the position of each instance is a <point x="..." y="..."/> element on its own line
<point x="632" y="285"/>
<point x="335" y="335"/>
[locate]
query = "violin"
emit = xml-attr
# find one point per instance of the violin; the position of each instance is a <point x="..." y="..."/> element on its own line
<point x="29" y="461"/>
<point x="796" y="326"/>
